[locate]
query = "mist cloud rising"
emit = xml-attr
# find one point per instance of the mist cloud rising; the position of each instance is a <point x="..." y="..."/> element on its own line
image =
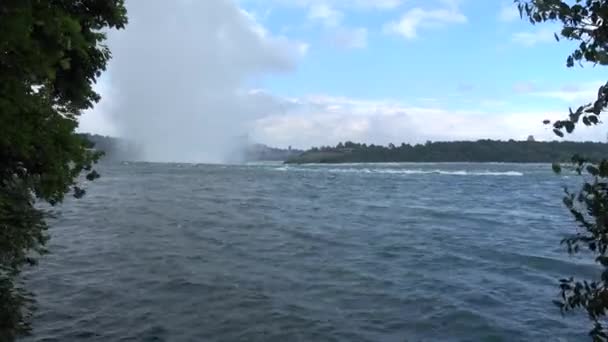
<point x="178" y="77"/>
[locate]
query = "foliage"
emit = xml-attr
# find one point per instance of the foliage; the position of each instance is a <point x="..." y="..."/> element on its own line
<point x="453" y="151"/>
<point x="583" y="21"/>
<point x="51" y="53"/>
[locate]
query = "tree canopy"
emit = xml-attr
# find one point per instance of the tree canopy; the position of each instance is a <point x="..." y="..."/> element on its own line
<point x="585" y="22"/>
<point x="454" y="151"/>
<point x="51" y="53"/>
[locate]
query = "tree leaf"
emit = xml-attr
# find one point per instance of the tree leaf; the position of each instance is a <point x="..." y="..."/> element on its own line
<point x="592" y="170"/>
<point x="65" y="63"/>
<point x="556" y="168"/>
<point x="558" y="133"/>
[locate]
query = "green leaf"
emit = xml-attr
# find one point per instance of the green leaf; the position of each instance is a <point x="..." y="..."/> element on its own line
<point x="569" y="126"/>
<point x="567" y="31"/>
<point x="91" y="176"/>
<point x="79" y="192"/>
<point x="558" y="133"/>
<point x="521" y="11"/>
<point x="603" y="168"/>
<point x="65" y="63"/>
<point x="556" y="168"/>
<point x="592" y="170"/>
<point x="593" y="119"/>
<point x="586" y="121"/>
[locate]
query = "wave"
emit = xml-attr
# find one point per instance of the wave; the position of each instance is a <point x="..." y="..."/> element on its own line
<point x="403" y="171"/>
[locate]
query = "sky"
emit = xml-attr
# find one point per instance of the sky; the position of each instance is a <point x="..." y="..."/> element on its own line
<point x="306" y="73"/>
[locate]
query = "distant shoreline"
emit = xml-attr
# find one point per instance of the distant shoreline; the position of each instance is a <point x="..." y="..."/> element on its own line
<point x="481" y="151"/>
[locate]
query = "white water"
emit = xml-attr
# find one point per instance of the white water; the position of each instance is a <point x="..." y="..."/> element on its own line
<point x="403" y="171"/>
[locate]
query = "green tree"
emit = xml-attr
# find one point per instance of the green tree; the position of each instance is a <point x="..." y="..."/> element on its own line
<point x="456" y="151"/>
<point x="51" y="53"/>
<point x="585" y="22"/>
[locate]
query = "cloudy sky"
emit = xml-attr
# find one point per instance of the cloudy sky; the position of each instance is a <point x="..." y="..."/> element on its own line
<point x="315" y="72"/>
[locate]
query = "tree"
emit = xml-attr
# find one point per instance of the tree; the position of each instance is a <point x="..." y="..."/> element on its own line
<point x="456" y="151"/>
<point x="585" y="22"/>
<point x="51" y="53"/>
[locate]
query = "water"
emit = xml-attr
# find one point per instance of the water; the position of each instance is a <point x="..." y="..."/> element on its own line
<point x="389" y="252"/>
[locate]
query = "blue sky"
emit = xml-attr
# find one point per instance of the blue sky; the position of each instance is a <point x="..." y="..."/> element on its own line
<point x="480" y="49"/>
<point x="381" y="70"/>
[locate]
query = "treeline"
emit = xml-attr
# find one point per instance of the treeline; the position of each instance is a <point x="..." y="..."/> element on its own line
<point x="455" y="151"/>
<point x="114" y="148"/>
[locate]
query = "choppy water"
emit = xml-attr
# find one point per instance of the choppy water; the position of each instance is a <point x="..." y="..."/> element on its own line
<point x="390" y="252"/>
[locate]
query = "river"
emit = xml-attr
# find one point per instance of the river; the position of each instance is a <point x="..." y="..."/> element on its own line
<point x="267" y="252"/>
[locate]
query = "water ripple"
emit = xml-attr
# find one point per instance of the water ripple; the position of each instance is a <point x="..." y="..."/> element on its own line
<point x="391" y="252"/>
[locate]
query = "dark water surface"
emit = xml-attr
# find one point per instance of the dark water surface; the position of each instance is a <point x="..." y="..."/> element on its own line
<point x="390" y="252"/>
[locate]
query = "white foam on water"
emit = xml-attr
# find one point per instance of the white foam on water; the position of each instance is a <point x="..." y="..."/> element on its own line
<point x="403" y="171"/>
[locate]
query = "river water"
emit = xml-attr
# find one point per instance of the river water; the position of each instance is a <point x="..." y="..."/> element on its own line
<point x="267" y="252"/>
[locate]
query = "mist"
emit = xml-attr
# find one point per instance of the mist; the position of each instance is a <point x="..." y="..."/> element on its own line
<point x="181" y="75"/>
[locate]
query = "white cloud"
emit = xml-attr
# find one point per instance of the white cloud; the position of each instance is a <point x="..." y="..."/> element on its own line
<point x="345" y="4"/>
<point x="380" y="4"/>
<point x="350" y="38"/>
<point x="326" y="120"/>
<point x="573" y="94"/>
<point x="326" y="14"/>
<point x="533" y="38"/>
<point x="339" y="35"/>
<point x="417" y="18"/>
<point x="331" y="14"/>
<point x="508" y="12"/>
